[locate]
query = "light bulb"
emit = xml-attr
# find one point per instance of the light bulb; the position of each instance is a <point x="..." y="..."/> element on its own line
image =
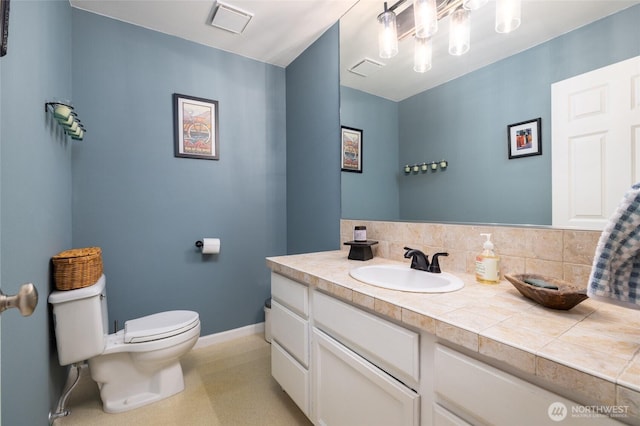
<point x="387" y="34"/>
<point x="459" y="32"/>
<point x="507" y="15"/>
<point x="422" y="55"/>
<point x="425" y="14"/>
<point x="473" y="4"/>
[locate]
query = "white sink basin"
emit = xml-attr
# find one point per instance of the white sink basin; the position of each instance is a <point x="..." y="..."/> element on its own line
<point x="403" y="278"/>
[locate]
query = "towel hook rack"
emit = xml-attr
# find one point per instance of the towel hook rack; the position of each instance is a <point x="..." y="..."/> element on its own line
<point x="67" y="118"/>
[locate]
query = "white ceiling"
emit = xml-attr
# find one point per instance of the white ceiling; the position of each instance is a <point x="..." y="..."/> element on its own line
<point x="278" y="32"/>
<point x="282" y="29"/>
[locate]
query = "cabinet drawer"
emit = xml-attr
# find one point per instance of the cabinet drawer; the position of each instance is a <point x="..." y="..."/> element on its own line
<point x="351" y="391"/>
<point x="291" y="294"/>
<point x="291" y="332"/>
<point x="292" y="377"/>
<point x="444" y="417"/>
<point x="470" y="387"/>
<point x="389" y="346"/>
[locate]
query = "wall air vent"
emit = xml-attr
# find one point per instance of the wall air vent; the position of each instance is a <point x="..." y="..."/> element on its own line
<point x="366" y="67"/>
<point x="229" y="18"/>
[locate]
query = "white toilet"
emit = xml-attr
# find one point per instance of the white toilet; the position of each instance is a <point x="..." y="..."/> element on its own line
<point x="134" y="366"/>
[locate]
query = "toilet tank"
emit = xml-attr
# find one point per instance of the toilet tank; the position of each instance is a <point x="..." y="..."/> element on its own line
<point x="80" y="321"/>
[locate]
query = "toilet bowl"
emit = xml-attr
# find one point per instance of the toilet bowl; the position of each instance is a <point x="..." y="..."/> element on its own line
<point x="135" y="366"/>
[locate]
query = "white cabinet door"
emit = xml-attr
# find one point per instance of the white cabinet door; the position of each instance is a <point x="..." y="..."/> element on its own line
<point x="292" y="377"/>
<point x="349" y="391"/>
<point x="595" y="143"/>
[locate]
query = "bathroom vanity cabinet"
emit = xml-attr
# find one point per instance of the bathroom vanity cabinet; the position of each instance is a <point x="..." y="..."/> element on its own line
<point x="290" y="339"/>
<point x="343" y="365"/>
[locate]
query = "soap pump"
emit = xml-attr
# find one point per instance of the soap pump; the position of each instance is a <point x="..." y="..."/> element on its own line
<point x="487" y="263"/>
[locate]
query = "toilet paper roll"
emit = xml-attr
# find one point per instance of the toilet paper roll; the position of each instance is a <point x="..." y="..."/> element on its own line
<point x="210" y="245"/>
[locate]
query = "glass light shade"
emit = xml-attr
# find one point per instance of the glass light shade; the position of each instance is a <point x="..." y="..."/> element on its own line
<point x="425" y="13"/>
<point x="459" y="32"/>
<point x="473" y="4"/>
<point x="387" y="34"/>
<point x="423" y="52"/>
<point x="507" y="15"/>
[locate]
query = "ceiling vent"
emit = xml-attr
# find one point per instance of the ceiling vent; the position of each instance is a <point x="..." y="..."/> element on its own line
<point x="230" y="18"/>
<point x="366" y="67"/>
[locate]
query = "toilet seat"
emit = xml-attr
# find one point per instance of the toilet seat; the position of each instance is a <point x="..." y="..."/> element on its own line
<point x="159" y="326"/>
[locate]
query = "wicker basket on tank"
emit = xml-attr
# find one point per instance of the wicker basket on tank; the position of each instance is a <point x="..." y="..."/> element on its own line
<point x="77" y="268"/>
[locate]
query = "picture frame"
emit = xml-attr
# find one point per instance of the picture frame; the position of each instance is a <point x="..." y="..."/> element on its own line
<point x="351" y="149"/>
<point x="196" y="131"/>
<point x="4" y="26"/>
<point x="525" y="138"/>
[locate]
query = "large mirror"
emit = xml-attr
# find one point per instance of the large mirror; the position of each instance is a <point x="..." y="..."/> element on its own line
<point x="461" y="109"/>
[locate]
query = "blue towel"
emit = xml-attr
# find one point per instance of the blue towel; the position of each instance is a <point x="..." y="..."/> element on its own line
<point x="615" y="275"/>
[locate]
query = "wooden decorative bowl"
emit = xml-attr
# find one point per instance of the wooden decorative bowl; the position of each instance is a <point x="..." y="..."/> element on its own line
<point x="565" y="297"/>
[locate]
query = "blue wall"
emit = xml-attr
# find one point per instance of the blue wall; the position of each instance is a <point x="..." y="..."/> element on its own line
<point x="35" y="188"/>
<point x="374" y="193"/>
<point x="145" y="207"/>
<point x="313" y="147"/>
<point x="465" y="121"/>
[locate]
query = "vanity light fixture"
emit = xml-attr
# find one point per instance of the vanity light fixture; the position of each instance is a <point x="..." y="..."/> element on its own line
<point x="507" y="15"/>
<point x="422" y="54"/>
<point x="396" y="25"/>
<point x="473" y="4"/>
<point x="425" y="16"/>
<point x="387" y="32"/>
<point x="460" y="32"/>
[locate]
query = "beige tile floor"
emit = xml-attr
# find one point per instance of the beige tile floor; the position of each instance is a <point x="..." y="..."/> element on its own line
<point x="227" y="383"/>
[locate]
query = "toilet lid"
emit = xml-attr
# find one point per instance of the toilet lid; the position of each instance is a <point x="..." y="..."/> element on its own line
<point x="159" y="326"/>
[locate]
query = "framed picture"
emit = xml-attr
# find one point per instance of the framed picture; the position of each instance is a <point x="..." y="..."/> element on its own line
<point x="195" y="127"/>
<point x="4" y="26"/>
<point x="351" y="151"/>
<point x="525" y="138"/>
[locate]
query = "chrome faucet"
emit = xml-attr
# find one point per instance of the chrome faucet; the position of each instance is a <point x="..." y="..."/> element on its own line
<point x="420" y="261"/>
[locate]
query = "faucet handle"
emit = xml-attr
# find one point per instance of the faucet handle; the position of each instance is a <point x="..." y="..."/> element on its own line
<point x="435" y="266"/>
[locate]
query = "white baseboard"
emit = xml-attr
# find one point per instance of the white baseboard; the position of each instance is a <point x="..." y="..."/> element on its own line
<point x="225" y="336"/>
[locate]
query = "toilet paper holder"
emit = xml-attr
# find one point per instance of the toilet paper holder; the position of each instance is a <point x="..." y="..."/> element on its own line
<point x="208" y="245"/>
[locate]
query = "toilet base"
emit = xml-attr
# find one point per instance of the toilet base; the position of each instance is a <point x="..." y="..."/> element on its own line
<point x="138" y="389"/>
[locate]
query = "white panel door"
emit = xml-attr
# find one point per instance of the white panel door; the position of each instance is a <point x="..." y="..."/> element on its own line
<point x="595" y="143"/>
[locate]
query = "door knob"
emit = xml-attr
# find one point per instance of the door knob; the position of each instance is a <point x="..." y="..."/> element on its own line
<point x="26" y="300"/>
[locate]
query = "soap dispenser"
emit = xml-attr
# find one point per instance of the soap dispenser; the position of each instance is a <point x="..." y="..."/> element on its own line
<point x="487" y="263"/>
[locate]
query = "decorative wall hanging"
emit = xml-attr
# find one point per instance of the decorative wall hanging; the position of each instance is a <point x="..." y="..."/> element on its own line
<point x="525" y="139"/>
<point x="195" y="127"/>
<point x="4" y="26"/>
<point x="351" y="152"/>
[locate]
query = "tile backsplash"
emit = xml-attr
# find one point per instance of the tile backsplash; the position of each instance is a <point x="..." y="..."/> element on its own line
<point x="560" y="253"/>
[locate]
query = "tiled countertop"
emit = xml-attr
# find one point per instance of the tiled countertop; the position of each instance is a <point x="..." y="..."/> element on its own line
<point x="592" y="349"/>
